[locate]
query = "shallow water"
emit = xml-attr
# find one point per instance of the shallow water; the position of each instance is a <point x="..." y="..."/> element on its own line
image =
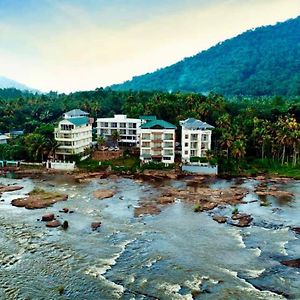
<point x="167" y="256"/>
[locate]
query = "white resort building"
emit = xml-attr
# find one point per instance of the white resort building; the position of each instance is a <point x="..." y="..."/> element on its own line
<point x="74" y="134"/>
<point x="128" y="128"/>
<point x="195" y="139"/>
<point x="157" y="141"/>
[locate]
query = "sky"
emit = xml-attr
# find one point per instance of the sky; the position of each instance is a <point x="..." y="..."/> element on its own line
<point x="71" y="45"/>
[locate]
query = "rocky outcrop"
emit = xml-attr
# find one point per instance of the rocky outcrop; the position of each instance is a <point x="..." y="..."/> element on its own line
<point x="39" y="198"/>
<point x="84" y="177"/>
<point x="102" y="194"/>
<point x="241" y="220"/>
<point x="157" y="174"/>
<point x="48" y="217"/>
<point x="9" y="188"/>
<point x="95" y="225"/>
<point x="146" y="209"/>
<point x="53" y="224"/>
<point x="219" y="219"/>
<point x="293" y="263"/>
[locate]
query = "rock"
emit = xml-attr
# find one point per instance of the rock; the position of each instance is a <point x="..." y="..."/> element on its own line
<point x="71" y="211"/>
<point x="65" y="210"/>
<point x="146" y="209"/>
<point x="274" y="193"/>
<point x="48" y="217"/>
<point x="296" y="229"/>
<point x="9" y="188"/>
<point x="219" y="219"/>
<point x="102" y="194"/>
<point x="39" y="198"/>
<point x="195" y="293"/>
<point x="65" y="225"/>
<point x="54" y="223"/>
<point x="293" y="263"/>
<point x="95" y="225"/>
<point x="244" y="220"/>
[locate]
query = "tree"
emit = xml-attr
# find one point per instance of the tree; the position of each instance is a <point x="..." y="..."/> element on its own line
<point x="115" y="136"/>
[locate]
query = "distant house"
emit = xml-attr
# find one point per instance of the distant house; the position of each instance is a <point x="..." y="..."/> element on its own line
<point x="3" y="139"/>
<point x="75" y="113"/>
<point x="157" y="141"/>
<point x="128" y="128"/>
<point x="195" y="139"/>
<point x="16" y="133"/>
<point x="73" y="134"/>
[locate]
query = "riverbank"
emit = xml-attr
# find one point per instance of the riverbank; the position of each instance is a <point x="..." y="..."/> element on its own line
<point x="171" y="252"/>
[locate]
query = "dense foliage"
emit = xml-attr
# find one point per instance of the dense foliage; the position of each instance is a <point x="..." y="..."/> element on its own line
<point x="245" y="128"/>
<point x="258" y="62"/>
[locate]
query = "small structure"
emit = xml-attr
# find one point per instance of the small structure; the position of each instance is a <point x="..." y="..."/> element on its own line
<point x="128" y="129"/>
<point x="157" y="141"/>
<point x="195" y="139"/>
<point x="74" y="134"/>
<point x="3" y="139"/>
<point x="60" y="165"/>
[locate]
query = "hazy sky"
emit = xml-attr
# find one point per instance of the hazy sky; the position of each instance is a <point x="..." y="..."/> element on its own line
<point x="68" y="45"/>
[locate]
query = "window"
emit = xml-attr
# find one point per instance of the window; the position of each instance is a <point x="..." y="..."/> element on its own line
<point x="145" y="144"/>
<point x="186" y="136"/>
<point x="145" y="151"/>
<point x="168" y="152"/>
<point x="169" y="136"/>
<point x="194" y="137"/>
<point x="114" y="125"/>
<point x="166" y="158"/>
<point x="122" y="125"/>
<point x="168" y="144"/>
<point x="146" y="136"/>
<point x="122" y="131"/>
<point x="186" y="152"/>
<point x="204" y="137"/>
<point x="186" y="144"/>
<point x="194" y="145"/>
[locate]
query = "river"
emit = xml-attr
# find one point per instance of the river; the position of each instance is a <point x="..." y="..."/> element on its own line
<point x="177" y="254"/>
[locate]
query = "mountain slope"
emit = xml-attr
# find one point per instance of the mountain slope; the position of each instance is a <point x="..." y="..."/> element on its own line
<point x="264" y="61"/>
<point x="9" y="83"/>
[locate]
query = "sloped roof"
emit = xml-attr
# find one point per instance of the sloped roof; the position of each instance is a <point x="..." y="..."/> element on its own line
<point x="192" y="123"/>
<point x="76" y="113"/>
<point x="158" y="123"/>
<point x="79" y="121"/>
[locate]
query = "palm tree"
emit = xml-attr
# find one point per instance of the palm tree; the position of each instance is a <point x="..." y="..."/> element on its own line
<point x="100" y="141"/>
<point x="115" y="136"/>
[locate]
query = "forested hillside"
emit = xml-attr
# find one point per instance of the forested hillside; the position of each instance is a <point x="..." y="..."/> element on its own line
<point x="264" y="61"/>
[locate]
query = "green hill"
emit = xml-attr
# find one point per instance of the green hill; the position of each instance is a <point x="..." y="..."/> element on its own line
<point x="264" y="61"/>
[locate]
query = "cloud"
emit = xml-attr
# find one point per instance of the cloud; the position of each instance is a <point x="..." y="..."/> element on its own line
<point x="77" y="44"/>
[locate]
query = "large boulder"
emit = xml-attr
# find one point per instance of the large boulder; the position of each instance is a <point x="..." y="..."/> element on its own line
<point x="48" y="217"/>
<point x="102" y="194"/>
<point x="219" y="219"/>
<point x="53" y="224"/>
<point x="293" y="263"/>
<point x="95" y="225"/>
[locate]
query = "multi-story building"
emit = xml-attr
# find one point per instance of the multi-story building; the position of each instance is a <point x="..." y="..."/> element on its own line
<point x="157" y="141"/>
<point x="195" y="139"/>
<point x="74" y="134"/>
<point x="128" y="128"/>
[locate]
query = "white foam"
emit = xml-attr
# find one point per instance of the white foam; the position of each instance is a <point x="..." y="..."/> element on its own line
<point x="171" y="290"/>
<point x="254" y="273"/>
<point x="236" y="234"/>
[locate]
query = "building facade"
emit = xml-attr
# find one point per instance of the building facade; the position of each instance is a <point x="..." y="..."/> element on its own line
<point x="128" y="128"/>
<point x="3" y="139"/>
<point x="157" y="142"/>
<point x="195" y="139"/>
<point x="73" y="134"/>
